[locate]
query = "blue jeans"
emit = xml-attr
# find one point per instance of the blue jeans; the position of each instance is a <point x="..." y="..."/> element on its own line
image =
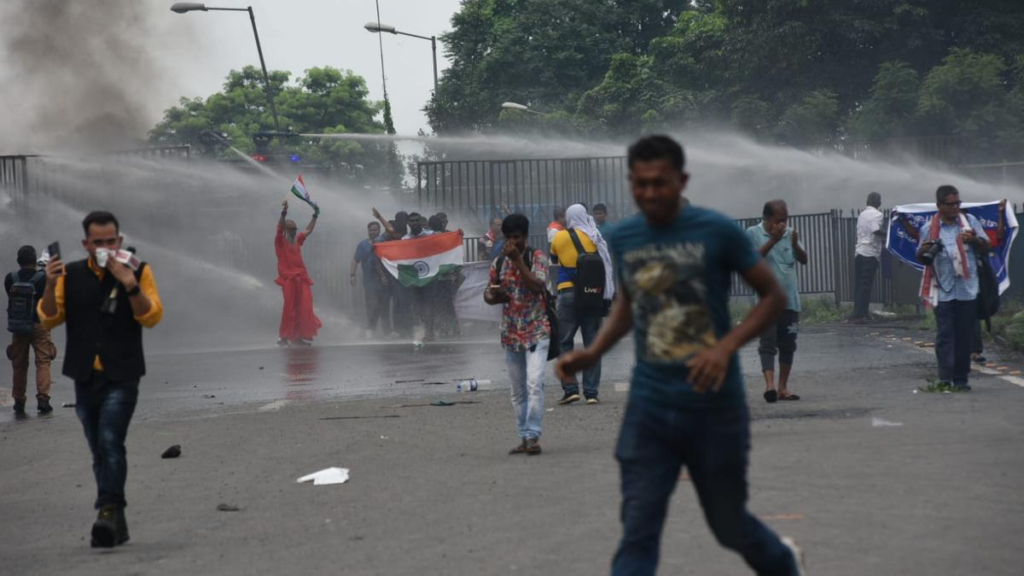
<point x="105" y="409"/>
<point x="957" y="322"/>
<point x="526" y="373"/>
<point x="587" y="321"/>
<point x="654" y="444"/>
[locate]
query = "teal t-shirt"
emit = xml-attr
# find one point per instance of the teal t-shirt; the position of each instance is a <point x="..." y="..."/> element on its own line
<point x="782" y="261"/>
<point x="678" y="278"/>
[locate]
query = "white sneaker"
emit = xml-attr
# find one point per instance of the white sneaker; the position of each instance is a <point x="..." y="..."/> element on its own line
<point x="798" y="554"/>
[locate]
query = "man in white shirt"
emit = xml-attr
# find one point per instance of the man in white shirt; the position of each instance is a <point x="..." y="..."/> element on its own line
<point x="870" y="234"/>
<point x="417" y="227"/>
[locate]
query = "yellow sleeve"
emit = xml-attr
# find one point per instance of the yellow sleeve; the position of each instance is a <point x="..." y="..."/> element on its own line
<point x="51" y="322"/>
<point x="156" y="308"/>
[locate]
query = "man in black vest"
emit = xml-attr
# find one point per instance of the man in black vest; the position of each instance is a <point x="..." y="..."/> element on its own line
<point x="105" y="309"/>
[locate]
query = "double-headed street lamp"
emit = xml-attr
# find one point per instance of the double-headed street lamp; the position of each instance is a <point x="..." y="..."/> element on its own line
<point x="183" y="7"/>
<point x="377" y="28"/>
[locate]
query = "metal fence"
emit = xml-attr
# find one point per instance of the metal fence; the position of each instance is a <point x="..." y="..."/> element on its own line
<point x="483" y="189"/>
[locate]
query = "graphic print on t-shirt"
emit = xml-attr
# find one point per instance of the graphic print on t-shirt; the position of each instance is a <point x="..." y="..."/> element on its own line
<point x="669" y="296"/>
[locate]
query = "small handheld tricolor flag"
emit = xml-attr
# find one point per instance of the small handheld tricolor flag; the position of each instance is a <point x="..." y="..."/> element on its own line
<point x="299" y="190"/>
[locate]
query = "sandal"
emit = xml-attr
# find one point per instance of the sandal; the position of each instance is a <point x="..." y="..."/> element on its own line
<point x="789" y="397"/>
<point x="770" y="396"/>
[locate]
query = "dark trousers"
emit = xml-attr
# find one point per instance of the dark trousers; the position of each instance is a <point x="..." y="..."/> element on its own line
<point x="425" y="302"/>
<point x="588" y="322"/>
<point x="402" y="314"/>
<point x="654" y="444"/>
<point x="378" y="306"/>
<point x="105" y="409"/>
<point x="977" y="344"/>
<point x="779" y="338"/>
<point x="446" y="321"/>
<point x="864" y="274"/>
<point x="957" y="320"/>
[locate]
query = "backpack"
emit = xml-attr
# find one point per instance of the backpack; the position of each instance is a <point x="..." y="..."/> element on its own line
<point x="549" y="306"/>
<point x="988" y="290"/>
<point x="590" y="275"/>
<point x="21" y="304"/>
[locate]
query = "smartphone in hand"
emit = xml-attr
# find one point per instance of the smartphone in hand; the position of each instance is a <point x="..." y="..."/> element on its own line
<point x="54" y="250"/>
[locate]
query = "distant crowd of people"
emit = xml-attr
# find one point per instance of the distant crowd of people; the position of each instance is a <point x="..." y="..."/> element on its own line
<point x="391" y="306"/>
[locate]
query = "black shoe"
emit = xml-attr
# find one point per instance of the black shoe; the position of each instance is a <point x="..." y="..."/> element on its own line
<point x="282" y="342"/>
<point x="105" y="528"/>
<point x="19" y="408"/>
<point x="122" y="526"/>
<point x="962" y="387"/>
<point x="44" y="405"/>
<point x="301" y="342"/>
<point x="569" y="398"/>
<point x="520" y="449"/>
<point x="532" y="447"/>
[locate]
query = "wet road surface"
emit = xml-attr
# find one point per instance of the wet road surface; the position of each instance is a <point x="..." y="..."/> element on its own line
<point x="871" y="477"/>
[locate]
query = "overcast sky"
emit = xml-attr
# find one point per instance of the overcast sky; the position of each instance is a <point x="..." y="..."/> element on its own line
<point x="300" y="34"/>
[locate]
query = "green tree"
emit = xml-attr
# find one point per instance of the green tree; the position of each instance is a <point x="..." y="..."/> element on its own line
<point x="323" y="101"/>
<point x="796" y="70"/>
<point x="544" y="53"/>
<point x="813" y="122"/>
<point x="966" y="96"/>
<point x="892" y="105"/>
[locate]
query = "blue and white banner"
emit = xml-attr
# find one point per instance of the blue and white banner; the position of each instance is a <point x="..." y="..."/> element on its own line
<point x="903" y="244"/>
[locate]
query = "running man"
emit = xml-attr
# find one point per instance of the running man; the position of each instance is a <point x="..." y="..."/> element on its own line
<point x="686" y="399"/>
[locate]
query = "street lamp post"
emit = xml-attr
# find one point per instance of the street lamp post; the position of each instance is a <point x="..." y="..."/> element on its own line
<point x="521" y="108"/>
<point x="376" y="28"/>
<point x="184" y="7"/>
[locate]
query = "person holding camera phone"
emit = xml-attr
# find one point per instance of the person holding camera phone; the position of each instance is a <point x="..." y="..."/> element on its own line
<point x="947" y="246"/>
<point x="105" y="304"/>
<point x="518" y="282"/>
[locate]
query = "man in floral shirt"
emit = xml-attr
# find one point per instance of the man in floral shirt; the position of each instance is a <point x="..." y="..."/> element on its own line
<point x="518" y="278"/>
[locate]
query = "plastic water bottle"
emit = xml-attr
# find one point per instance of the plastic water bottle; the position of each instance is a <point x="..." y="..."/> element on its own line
<point x="470" y="385"/>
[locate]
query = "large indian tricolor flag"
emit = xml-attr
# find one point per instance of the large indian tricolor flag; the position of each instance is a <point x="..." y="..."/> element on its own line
<point x="419" y="261"/>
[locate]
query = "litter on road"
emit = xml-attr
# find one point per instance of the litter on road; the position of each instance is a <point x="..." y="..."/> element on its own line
<point x="880" y="423"/>
<point x="227" y="508"/>
<point x="326" y="476"/>
<point x="172" y="452"/>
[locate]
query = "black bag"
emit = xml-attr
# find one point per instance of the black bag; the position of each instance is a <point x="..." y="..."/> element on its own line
<point x="988" y="290"/>
<point x="21" y="303"/>
<point x="590" y="275"/>
<point x="554" y="350"/>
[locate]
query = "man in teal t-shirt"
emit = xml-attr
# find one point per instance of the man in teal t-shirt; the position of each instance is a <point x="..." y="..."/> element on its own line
<point x="686" y="404"/>
<point x="779" y="245"/>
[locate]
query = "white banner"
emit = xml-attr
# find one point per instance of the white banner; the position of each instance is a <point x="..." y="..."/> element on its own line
<point x="469" y="301"/>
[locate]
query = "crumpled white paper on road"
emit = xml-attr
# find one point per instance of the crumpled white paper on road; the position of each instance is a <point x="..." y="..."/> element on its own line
<point x="880" y="423"/>
<point x="326" y="476"/>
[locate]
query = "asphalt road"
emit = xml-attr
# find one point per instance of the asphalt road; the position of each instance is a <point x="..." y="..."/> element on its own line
<point x="433" y="492"/>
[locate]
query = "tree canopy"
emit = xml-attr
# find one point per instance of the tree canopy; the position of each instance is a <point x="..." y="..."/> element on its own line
<point x="323" y="101"/>
<point x="809" y="73"/>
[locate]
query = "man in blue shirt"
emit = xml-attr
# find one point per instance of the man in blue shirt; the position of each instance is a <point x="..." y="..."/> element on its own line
<point x="950" y="282"/>
<point x="686" y="399"/>
<point x="376" y="284"/>
<point x="780" y="247"/>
